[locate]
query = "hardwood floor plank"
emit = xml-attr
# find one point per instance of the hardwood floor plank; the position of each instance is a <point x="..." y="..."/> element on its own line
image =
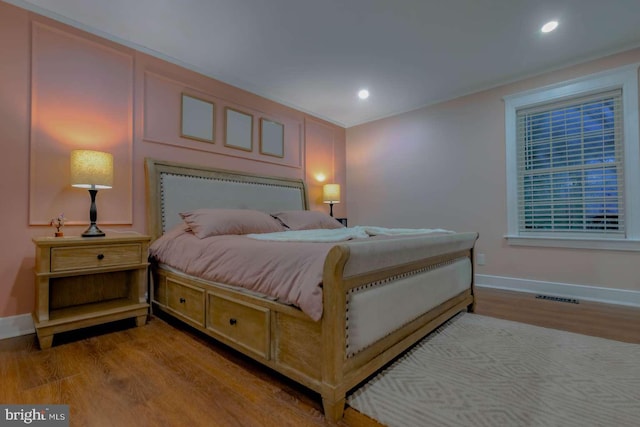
<point x="615" y="322"/>
<point x="9" y="374"/>
<point x="236" y="391"/>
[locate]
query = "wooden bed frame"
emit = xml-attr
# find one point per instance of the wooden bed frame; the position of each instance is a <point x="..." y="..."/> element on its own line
<point x="281" y="336"/>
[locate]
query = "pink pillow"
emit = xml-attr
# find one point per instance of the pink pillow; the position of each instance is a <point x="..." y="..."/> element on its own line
<point x="307" y="220"/>
<point x="215" y="222"/>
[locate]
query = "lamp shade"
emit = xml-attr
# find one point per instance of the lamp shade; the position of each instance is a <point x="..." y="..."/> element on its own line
<point x="331" y="193"/>
<point x="91" y="169"/>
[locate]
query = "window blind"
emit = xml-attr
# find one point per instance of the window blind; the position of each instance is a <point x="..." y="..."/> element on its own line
<point x="570" y="166"/>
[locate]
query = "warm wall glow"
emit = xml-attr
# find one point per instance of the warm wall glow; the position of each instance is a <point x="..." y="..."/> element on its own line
<point x="91" y="169"/>
<point x="331" y="193"/>
<point x="321" y="177"/>
<point x="75" y="127"/>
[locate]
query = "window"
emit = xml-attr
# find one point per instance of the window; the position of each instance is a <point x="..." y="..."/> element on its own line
<point x="573" y="163"/>
<point x="570" y="166"/>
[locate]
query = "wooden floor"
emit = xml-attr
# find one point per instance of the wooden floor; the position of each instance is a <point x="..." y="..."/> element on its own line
<point x="615" y="322"/>
<point x="164" y="374"/>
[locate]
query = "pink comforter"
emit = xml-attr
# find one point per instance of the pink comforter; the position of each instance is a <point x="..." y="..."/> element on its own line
<point x="291" y="272"/>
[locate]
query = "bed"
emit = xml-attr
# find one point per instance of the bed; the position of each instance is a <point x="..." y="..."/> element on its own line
<point x="378" y="296"/>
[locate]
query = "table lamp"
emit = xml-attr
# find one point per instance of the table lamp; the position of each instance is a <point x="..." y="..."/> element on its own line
<point x="92" y="170"/>
<point x="331" y="195"/>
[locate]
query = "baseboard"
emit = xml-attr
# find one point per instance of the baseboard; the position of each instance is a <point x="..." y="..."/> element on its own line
<point x="566" y="290"/>
<point x="14" y="326"/>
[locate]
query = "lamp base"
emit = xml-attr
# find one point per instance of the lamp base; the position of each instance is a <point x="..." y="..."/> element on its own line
<point x="93" y="231"/>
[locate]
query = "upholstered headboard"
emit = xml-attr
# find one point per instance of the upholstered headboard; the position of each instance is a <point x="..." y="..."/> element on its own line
<point x="173" y="188"/>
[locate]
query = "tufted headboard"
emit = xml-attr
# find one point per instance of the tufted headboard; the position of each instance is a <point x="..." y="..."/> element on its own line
<point x="173" y="188"/>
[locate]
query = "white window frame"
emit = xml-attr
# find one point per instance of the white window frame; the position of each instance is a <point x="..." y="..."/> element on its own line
<point x="625" y="78"/>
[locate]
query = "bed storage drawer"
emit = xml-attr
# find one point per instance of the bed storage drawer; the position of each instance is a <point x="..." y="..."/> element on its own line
<point x="186" y="301"/>
<point x="244" y="324"/>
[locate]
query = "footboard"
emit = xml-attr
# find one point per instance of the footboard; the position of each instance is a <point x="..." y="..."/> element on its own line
<point x="381" y="297"/>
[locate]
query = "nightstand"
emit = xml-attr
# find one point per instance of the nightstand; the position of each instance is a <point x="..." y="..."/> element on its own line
<point x="86" y="281"/>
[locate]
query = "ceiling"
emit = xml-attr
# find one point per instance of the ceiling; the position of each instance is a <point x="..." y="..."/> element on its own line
<point x="314" y="55"/>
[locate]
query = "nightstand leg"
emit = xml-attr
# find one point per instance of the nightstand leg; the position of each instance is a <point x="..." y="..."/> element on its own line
<point x="141" y="320"/>
<point x="45" y="341"/>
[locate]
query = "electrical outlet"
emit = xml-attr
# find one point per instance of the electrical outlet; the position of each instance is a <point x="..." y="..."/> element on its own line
<point x="480" y="259"/>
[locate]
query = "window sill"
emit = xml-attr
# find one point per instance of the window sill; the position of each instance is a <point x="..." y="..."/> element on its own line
<point x="575" y="243"/>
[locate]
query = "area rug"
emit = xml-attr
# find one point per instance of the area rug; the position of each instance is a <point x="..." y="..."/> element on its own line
<point x="481" y="371"/>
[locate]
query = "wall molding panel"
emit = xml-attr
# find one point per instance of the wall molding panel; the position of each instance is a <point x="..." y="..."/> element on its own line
<point x="161" y="118"/>
<point x="81" y="97"/>
<point x="320" y="152"/>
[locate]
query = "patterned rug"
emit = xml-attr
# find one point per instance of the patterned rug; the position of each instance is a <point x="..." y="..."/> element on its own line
<point x="481" y="371"/>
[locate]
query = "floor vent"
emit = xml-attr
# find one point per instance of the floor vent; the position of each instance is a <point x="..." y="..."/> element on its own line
<point x="558" y="299"/>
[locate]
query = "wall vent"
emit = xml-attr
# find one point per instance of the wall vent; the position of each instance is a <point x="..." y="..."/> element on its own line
<point x="558" y="299"/>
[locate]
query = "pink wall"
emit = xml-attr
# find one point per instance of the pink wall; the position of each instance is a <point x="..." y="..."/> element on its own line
<point x="144" y="97"/>
<point x="444" y="166"/>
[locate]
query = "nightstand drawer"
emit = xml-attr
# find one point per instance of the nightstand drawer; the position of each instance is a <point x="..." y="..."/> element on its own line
<point x="186" y="301"/>
<point x="74" y="258"/>
<point x="243" y="324"/>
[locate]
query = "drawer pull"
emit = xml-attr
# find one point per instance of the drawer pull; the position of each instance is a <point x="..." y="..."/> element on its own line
<point x="232" y="321"/>
<point x="182" y="300"/>
<point x="100" y="256"/>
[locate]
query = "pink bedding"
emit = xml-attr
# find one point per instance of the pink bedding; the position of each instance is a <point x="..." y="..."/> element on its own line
<point x="288" y="271"/>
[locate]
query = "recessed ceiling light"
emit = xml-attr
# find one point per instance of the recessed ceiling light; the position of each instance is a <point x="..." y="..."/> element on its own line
<point x="549" y="26"/>
<point x="363" y="94"/>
